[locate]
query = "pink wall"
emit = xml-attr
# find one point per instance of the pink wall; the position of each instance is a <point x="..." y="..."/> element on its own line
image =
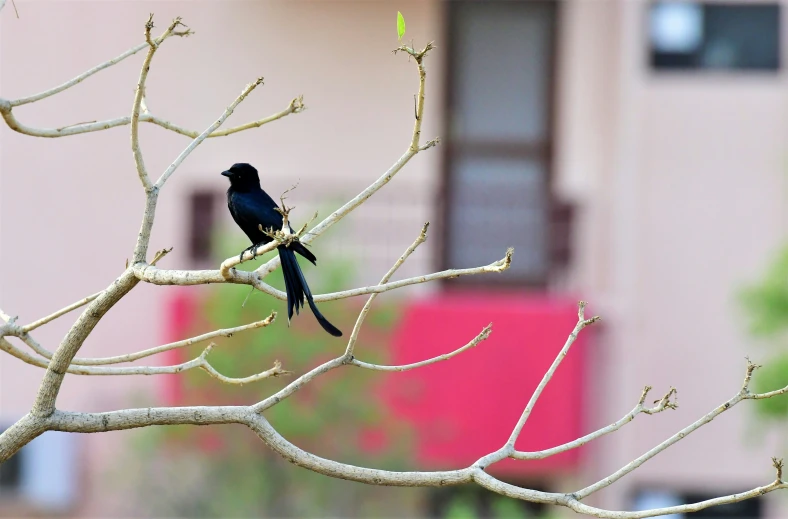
<point x="680" y="183"/>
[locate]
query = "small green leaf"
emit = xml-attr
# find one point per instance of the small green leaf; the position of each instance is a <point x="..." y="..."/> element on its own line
<point x="400" y="25"/>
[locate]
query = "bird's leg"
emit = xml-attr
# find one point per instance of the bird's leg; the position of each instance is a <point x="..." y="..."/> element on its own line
<point x="251" y="249"/>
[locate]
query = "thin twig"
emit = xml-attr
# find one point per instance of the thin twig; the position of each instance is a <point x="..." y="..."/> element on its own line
<point x="63" y="311"/>
<point x="348" y="207"/>
<point x="130" y="357"/>
<point x="198" y="140"/>
<point x="638" y="409"/>
<point x="80" y="128"/>
<point x="351" y="344"/>
<point x="582" y="322"/>
<point x="142" y="172"/>
<point x="200" y="362"/>
<point x="629" y="467"/>
<point x="157" y="276"/>
<point x="483" y="335"/>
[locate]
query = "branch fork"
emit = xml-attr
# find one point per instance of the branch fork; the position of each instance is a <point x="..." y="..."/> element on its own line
<point x="45" y="417"/>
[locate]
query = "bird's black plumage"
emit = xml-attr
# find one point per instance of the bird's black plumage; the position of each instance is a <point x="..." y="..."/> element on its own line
<point x="251" y="207"/>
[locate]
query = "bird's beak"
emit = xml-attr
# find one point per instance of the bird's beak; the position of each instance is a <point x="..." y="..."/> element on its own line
<point x="227" y="174"/>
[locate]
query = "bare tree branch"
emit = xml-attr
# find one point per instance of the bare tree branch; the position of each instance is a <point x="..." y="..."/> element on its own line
<point x="198" y="140"/>
<point x="485" y="333"/>
<point x="140" y="250"/>
<point x="413" y="149"/>
<point x="662" y="404"/>
<point x="140" y="93"/>
<point x="98" y="68"/>
<point x="13" y="330"/>
<point x="45" y="417"/>
<point x="53" y="378"/>
<point x="63" y="311"/>
<point x="199" y="362"/>
<point x="351" y="344"/>
<point x="743" y="394"/>
<point x="7" y="106"/>
<point x="581" y="323"/>
<point x="158" y="276"/>
<point x="96" y="126"/>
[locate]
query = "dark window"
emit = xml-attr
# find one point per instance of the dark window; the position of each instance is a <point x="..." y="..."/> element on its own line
<point x="11" y="473"/>
<point x="478" y="502"/>
<point x="695" y="35"/>
<point x="499" y="138"/>
<point x="202" y="215"/>
<point x="748" y="509"/>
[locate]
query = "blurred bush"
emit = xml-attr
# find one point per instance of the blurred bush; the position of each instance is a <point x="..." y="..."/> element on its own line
<point x="766" y="306"/>
<point x="226" y="471"/>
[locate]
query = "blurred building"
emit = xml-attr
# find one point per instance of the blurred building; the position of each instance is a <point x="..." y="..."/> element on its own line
<point x="633" y="153"/>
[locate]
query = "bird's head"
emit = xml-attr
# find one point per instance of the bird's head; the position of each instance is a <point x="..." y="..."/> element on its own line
<point x="242" y="176"/>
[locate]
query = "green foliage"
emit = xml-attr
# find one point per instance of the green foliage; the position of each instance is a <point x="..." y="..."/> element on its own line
<point x="766" y="302"/>
<point x="229" y="472"/>
<point x="506" y="508"/>
<point x="461" y="507"/>
<point x="766" y="306"/>
<point x="773" y="375"/>
<point x="400" y="26"/>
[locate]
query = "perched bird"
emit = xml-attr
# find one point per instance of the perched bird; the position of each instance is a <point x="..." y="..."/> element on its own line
<point x="252" y="209"/>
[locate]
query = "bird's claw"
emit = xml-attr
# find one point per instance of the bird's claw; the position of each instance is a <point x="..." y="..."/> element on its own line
<point x="252" y="249"/>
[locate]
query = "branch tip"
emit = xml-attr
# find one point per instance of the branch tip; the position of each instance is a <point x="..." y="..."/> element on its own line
<point x="506" y="261"/>
<point x="423" y="235"/>
<point x="591" y="321"/>
<point x="297" y="105"/>
<point x="485" y="332"/>
<point x="432" y="143"/>
<point x="644" y="395"/>
<point x="159" y="255"/>
<point x="751" y="367"/>
<point x="148" y="29"/>
<point x="665" y="403"/>
<point x="777" y="463"/>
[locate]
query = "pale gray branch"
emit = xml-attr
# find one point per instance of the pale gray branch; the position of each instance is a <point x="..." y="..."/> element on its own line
<point x="225" y="332"/>
<point x="421" y="238"/>
<point x="200" y="362"/>
<point x="143" y="238"/>
<point x="130" y="357"/>
<point x="156" y="276"/>
<point x="446" y="356"/>
<point x="96" y="126"/>
<point x="44" y="416"/>
<point x="335" y="469"/>
<point x="297" y="384"/>
<point x="413" y="149"/>
<point x="579" y="507"/>
<point x="44" y="320"/>
<point x="662" y="404"/>
<point x="198" y="140"/>
<point x="7" y="106"/>
<point x="743" y="394"/>
<point x="140" y="93"/>
<point x="581" y="323"/>
<point x="53" y="378"/>
<point x="98" y="68"/>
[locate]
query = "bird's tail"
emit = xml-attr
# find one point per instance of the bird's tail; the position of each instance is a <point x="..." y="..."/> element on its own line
<point x="298" y="290"/>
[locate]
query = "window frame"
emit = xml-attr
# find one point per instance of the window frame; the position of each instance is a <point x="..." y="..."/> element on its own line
<point x="504" y="149"/>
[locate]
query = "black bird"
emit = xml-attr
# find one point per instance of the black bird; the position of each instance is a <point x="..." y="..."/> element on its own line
<point x="251" y="207"/>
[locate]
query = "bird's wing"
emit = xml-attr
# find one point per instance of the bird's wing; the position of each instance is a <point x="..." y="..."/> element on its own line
<point x="250" y="210"/>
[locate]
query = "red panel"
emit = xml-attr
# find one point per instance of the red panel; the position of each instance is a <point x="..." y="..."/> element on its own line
<point x="466" y="407"/>
<point x="179" y="312"/>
